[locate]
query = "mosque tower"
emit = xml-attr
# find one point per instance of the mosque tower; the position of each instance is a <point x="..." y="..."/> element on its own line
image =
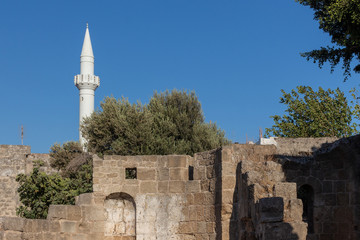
<point x="86" y="81"/>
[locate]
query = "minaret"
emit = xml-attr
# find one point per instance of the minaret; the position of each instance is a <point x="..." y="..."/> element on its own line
<point x="86" y="81"/>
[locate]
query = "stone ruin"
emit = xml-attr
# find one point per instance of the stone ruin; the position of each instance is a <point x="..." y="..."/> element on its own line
<point x="293" y="189"/>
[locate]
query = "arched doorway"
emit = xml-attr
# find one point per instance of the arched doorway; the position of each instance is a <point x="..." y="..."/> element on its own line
<point x="121" y="215"/>
<point x="306" y="194"/>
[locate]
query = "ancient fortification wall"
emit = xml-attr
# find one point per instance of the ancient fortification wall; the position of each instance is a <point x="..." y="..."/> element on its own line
<point x="237" y="192"/>
<point x="329" y="183"/>
<point x="15" y="159"/>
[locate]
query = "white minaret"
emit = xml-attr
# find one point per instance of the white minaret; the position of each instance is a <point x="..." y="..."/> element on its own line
<point x="86" y="81"/>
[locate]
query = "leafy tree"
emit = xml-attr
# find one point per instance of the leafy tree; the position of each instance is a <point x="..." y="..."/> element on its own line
<point x="62" y="154"/>
<point x="341" y="19"/>
<point x="38" y="190"/>
<point x="172" y="122"/>
<point x="325" y="113"/>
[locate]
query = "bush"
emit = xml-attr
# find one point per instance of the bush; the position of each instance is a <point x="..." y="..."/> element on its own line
<point x="38" y="190"/>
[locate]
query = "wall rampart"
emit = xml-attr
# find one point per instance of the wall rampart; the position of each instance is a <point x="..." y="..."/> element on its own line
<point x="328" y="181"/>
<point x="14" y="160"/>
<point x="237" y="192"/>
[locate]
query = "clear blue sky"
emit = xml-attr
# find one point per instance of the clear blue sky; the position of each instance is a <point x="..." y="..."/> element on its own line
<point x="236" y="55"/>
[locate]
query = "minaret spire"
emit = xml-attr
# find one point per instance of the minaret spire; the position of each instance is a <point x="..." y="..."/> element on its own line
<point x="86" y="81"/>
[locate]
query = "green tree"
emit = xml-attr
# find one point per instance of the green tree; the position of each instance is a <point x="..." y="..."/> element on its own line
<point x="322" y="113"/>
<point x="172" y="123"/>
<point x="38" y="190"/>
<point x="341" y="19"/>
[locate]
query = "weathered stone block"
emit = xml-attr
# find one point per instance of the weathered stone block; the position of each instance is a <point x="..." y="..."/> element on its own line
<point x="228" y="169"/>
<point x="10" y="235"/>
<point x="192" y="213"/>
<point x="200" y="213"/>
<point x="210" y="171"/>
<point x="186" y="227"/>
<point x="201" y="227"/>
<point x="178" y="174"/>
<point x="228" y="182"/>
<point x="80" y="236"/>
<point x="329" y="199"/>
<point x="130" y="189"/>
<point x="282" y="231"/>
<point x="177" y="161"/>
<point x="73" y="213"/>
<point x="271" y="209"/>
<point x="148" y="187"/>
<point x="92" y="227"/>
<point x="327" y="186"/>
<point x="68" y="226"/>
<point x="146" y="174"/>
<point x="209" y="213"/>
<point x="193" y="186"/>
<point x="177" y="186"/>
<point x="199" y="198"/>
<point x="286" y="190"/>
<point x="84" y="199"/>
<point x="163" y="186"/>
<point x="227" y="196"/>
<point x="342" y="199"/>
<point x="293" y="210"/>
<point x="163" y="174"/>
<point x="14" y="224"/>
<point x="200" y="173"/>
<point x="57" y="212"/>
<point x="93" y="213"/>
<point x="54" y="226"/>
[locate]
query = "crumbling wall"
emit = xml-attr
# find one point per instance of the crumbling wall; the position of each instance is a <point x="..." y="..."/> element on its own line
<point x="14" y="160"/>
<point x="256" y="202"/>
<point x="330" y="177"/>
<point x="237" y="192"/>
<point x="301" y="146"/>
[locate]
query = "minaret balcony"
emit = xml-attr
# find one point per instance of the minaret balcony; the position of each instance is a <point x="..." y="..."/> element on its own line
<point x="86" y="81"/>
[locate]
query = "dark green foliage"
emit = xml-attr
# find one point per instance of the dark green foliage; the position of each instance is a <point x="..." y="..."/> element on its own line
<point x="341" y="19"/>
<point x="172" y="122"/>
<point x="62" y="154"/>
<point x="38" y="190"/>
<point x="314" y="114"/>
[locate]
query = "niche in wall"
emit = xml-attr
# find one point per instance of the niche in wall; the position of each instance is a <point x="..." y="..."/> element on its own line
<point x="121" y="216"/>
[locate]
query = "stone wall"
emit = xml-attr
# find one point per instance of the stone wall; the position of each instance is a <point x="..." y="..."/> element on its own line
<point x="243" y="192"/>
<point x="301" y="146"/>
<point x="168" y="204"/>
<point x="16" y="159"/>
<point x="12" y="162"/>
<point x="328" y="180"/>
<point x="219" y="194"/>
<point x="256" y="202"/>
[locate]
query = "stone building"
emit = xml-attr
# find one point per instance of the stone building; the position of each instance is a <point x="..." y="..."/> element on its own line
<point x="292" y="189"/>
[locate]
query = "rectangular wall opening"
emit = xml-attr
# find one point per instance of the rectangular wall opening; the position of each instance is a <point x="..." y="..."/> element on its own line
<point x="130" y="173"/>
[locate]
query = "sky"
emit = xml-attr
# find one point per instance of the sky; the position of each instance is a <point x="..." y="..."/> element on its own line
<point x="236" y="55"/>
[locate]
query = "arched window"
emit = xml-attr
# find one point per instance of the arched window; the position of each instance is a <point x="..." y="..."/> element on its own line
<point x="306" y="194"/>
<point x="121" y="217"/>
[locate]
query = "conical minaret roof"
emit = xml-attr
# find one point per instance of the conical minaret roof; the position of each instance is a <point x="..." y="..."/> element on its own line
<point x="87" y="48"/>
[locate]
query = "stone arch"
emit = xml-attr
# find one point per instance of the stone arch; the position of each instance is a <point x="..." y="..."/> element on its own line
<point x="306" y="194"/>
<point x="121" y="215"/>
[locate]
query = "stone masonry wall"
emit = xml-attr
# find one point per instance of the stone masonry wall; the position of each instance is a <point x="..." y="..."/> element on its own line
<point x="12" y="162"/>
<point x="15" y="159"/>
<point x="256" y="202"/>
<point x="168" y="204"/>
<point x="332" y="175"/>
<point x="237" y="192"/>
<point x="227" y="193"/>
